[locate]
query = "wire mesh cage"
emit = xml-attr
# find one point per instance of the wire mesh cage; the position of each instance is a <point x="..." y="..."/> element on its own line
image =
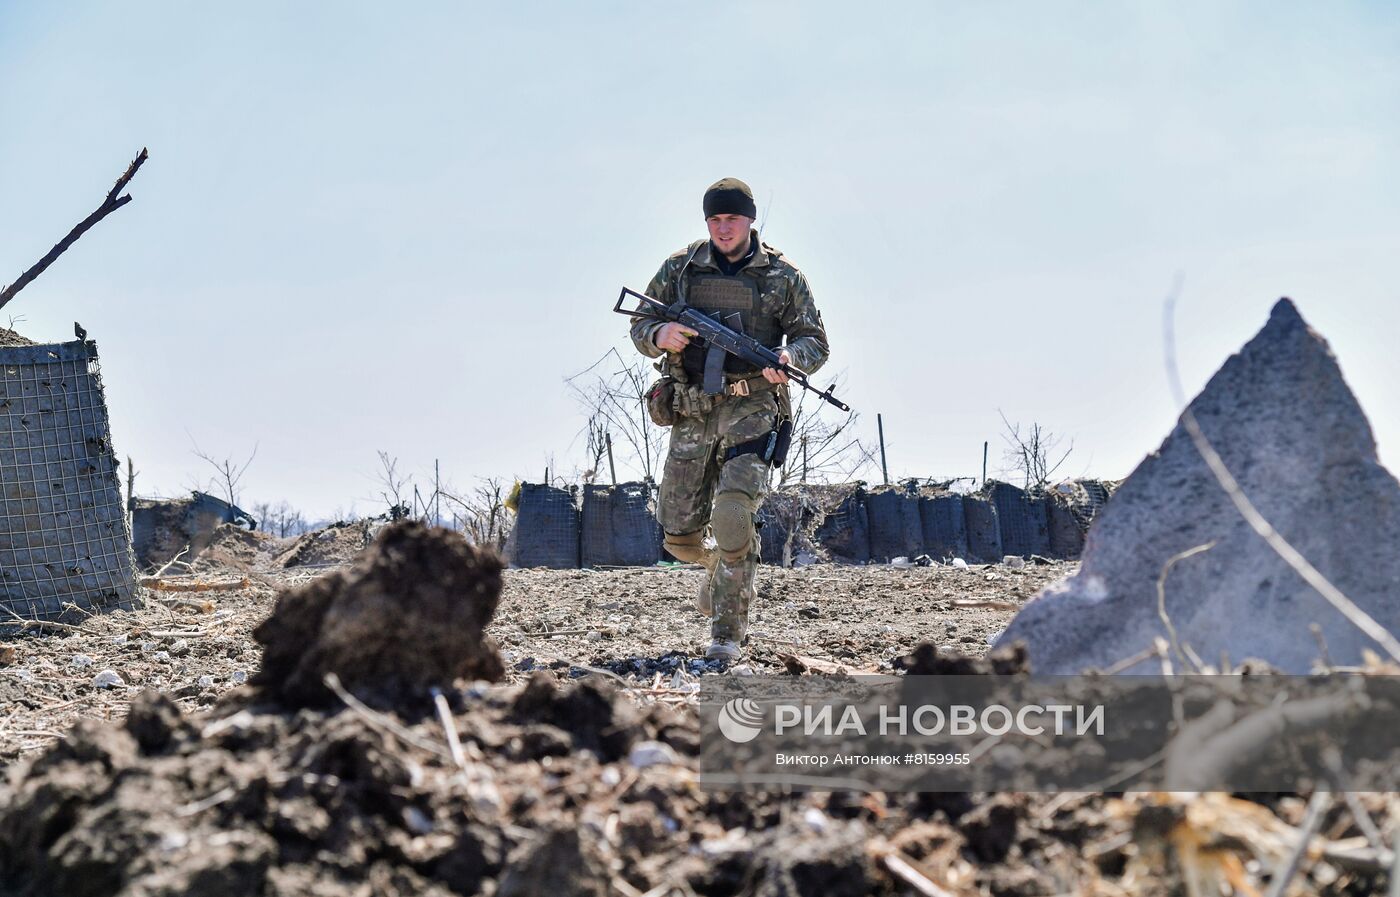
<point x="844" y="532"/>
<point x="63" y="532"/>
<point x="983" y="530"/>
<point x="617" y="526"/>
<point x="944" y="524"/>
<point x="546" y="532"/>
<point x="895" y="528"/>
<point x="1022" y="519"/>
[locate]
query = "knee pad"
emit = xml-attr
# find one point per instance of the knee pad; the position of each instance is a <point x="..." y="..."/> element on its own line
<point x="732" y="523"/>
<point x="688" y="547"/>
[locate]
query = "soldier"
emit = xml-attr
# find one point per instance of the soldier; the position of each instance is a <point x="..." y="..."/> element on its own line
<point x="715" y="475"/>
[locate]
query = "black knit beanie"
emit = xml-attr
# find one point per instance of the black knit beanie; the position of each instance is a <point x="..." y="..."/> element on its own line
<point x="730" y="196"/>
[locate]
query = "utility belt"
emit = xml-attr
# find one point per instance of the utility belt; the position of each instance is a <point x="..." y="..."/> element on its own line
<point x="740" y="385"/>
<point x="669" y="399"/>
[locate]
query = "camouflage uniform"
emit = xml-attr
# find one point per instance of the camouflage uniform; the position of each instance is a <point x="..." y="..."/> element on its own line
<point x="770" y="299"/>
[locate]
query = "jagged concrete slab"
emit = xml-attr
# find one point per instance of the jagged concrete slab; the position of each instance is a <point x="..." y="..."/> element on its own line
<point x="1290" y="430"/>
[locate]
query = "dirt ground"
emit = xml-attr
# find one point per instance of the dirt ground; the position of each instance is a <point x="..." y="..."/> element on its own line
<point x="196" y="646"/>
<point x="576" y="772"/>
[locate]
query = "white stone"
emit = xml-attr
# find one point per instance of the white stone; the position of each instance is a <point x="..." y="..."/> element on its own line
<point x="80" y="661"/>
<point x="107" y="679"/>
<point x="651" y="753"/>
<point x="734" y="841"/>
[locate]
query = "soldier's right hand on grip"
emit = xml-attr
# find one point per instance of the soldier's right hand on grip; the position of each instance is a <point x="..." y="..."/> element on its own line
<point x="673" y="337"/>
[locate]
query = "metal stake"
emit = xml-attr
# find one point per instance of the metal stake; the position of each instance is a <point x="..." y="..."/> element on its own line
<point x="884" y="469"/>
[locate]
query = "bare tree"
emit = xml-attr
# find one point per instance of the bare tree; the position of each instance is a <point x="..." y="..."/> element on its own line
<point x="396" y="487"/>
<point x="280" y="520"/>
<point x="228" y="477"/>
<point x="616" y="404"/>
<point x="598" y="438"/>
<point x="821" y="450"/>
<point x="1033" y="451"/>
<point x="481" y="515"/>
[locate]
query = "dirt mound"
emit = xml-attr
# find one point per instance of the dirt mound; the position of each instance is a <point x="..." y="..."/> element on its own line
<point x="409" y="614"/>
<point x="232" y="547"/>
<point x="338" y="543"/>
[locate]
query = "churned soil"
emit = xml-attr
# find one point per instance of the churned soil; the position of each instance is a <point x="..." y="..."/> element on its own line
<point x="195" y="646"/>
<point x="573" y="772"/>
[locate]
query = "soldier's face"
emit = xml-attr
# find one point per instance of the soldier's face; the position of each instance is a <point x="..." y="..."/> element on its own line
<point x="729" y="232"/>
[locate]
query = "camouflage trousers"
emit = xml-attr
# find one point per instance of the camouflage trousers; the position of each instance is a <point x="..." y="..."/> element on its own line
<point x="698" y="482"/>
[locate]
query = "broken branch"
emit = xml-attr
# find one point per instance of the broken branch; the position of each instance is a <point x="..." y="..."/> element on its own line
<point x="109" y="205"/>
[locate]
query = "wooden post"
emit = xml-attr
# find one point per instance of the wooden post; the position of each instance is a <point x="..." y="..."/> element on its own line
<point x="607" y="435"/>
<point x="884" y="468"/>
<point x="984" y="463"/>
<point x="804" y="457"/>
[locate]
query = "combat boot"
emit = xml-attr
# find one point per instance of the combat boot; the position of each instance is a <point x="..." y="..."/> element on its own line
<point x="723" y="649"/>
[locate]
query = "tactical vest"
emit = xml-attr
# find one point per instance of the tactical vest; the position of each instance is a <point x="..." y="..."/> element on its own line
<point x="734" y="301"/>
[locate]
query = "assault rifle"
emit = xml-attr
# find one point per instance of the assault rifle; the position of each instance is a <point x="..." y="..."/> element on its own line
<point x="738" y="344"/>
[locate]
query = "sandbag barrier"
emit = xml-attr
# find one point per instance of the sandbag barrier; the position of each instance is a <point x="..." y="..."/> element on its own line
<point x="615" y="526"/>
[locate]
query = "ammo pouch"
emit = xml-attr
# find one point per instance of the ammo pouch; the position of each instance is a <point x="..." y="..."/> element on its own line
<point x="661" y="402"/>
<point x="771" y="446"/>
<point x="692" y="401"/>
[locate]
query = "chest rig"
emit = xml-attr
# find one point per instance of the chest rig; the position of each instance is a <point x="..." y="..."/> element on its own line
<point x="736" y="302"/>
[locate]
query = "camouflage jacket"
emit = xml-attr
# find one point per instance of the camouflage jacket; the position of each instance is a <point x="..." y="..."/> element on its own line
<point x="783" y="291"/>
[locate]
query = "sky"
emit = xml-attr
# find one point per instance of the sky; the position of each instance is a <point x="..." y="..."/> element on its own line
<point x="370" y="227"/>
